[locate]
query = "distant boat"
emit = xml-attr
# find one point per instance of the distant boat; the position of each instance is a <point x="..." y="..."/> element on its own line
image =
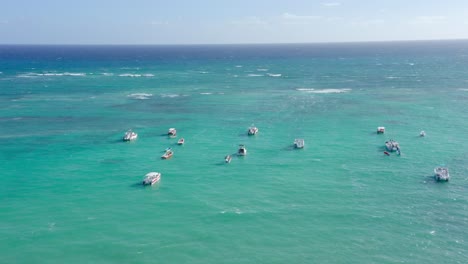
<point x="242" y="150"/>
<point x="252" y="131"/>
<point x="228" y="159"/>
<point x="422" y="134"/>
<point x="299" y="143"/>
<point x="172" y="132"/>
<point x="130" y="135"/>
<point x="181" y="141"/>
<point x="380" y="130"/>
<point x="151" y="178"/>
<point x="441" y="174"/>
<point x="167" y="155"/>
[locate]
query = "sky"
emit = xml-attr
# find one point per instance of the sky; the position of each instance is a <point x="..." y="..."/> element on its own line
<point x="229" y="21"/>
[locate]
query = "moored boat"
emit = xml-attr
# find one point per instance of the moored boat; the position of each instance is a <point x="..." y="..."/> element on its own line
<point x="242" y="150"/>
<point x="181" y="141"/>
<point x="441" y="174"/>
<point x="228" y="159"/>
<point x="172" y="132"/>
<point x="151" y="178"/>
<point x="167" y="155"/>
<point x="380" y="130"/>
<point x="130" y="135"/>
<point x="392" y="145"/>
<point x="252" y="131"/>
<point x="299" y="143"/>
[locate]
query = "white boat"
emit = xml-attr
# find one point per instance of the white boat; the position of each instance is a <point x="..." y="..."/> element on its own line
<point x="422" y="133"/>
<point x="172" y="132"/>
<point x="441" y="174"/>
<point x="392" y="145"/>
<point x="181" y="141"/>
<point x="380" y="130"/>
<point x="151" y="178"/>
<point x="167" y="155"/>
<point x="299" y="143"/>
<point x="242" y="150"/>
<point x="228" y="159"/>
<point x="130" y="135"/>
<point x="252" y="130"/>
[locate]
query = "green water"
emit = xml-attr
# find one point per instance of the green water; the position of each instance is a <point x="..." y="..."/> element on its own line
<point x="71" y="189"/>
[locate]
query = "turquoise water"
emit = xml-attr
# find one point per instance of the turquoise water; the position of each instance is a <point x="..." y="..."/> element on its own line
<point x="71" y="189"/>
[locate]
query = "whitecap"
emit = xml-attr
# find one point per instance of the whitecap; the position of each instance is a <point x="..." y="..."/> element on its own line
<point x="108" y="74"/>
<point x="148" y="75"/>
<point x="324" y="91"/>
<point x="262" y="69"/>
<point x="169" y="95"/>
<point x="254" y="75"/>
<point x="238" y="66"/>
<point x="305" y="89"/>
<point x="74" y="74"/>
<point x="206" y="93"/>
<point x="129" y="75"/>
<point x="274" y="74"/>
<point x="463" y="89"/>
<point x="140" y="96"/>
<point x="392" y="77"/>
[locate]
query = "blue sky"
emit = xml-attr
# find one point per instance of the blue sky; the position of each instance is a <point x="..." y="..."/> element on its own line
<point x="220" y="22"/>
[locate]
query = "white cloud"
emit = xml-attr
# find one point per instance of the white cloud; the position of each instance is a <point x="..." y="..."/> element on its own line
<point x="332" y="4"/>
<point x="428" y="20"/>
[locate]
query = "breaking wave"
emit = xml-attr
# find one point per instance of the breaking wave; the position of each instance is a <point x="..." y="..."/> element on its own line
<point x="140" y="96"/>
<point x="323" y="91"/>
<point x="274" y="74"/>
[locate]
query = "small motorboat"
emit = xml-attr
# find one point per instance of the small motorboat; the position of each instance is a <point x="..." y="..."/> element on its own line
<point x="422" y="133"/>
<point x="181" y="141"/>
<point x="228" y="159"/>
<point x="130" y="135"/>
<point x="252" y="131"/>
<point x="151" y="178"/>
<point x="299" y="143"/>
<point x="392" y="145"/>
<point x="172" y="132"/>
<point x="242" y="150"/>
<point x="380" y="130"/>
<point x="441" y="174"/>
<point x="167" y="155"/>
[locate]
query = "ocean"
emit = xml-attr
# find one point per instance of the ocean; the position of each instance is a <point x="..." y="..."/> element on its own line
<point x="71" y="189"/>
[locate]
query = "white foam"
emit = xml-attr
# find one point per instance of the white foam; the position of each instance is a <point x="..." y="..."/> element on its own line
<point x="274" y="74"/>
<point x="206" y="93"/>
<point x="254" y="75"/>
<point x="140" y="96"/>
<point x="108" y="74"/>
<point x="129" y="75"/>
<point x="74" y="74"/>
<point x="324" y="91"/>
<point x="49" y="74"/>
<point x="238" y="66"/>
<point x="262" y="69"/>
<point x="392" y="77"/>
<point x="148" y="75"/>
<point x="305" y="89"/>
<point x="169" y="95"/>
<point x="463" y="89"/>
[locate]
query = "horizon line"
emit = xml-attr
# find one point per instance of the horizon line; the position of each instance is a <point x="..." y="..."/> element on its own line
<point x="232" y="44"/>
